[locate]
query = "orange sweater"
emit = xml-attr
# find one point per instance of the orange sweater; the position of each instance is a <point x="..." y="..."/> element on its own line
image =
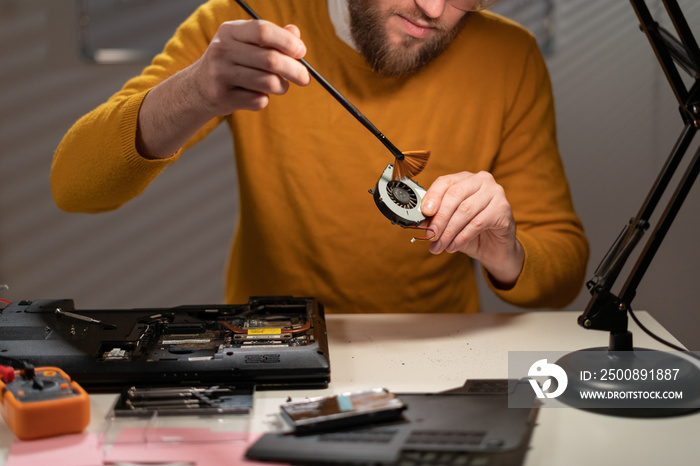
<point x="307" y="224"/>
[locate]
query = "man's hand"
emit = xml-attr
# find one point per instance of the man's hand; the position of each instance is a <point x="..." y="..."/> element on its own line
<point x="470" y="214"/>
<point x="245" y="63"/>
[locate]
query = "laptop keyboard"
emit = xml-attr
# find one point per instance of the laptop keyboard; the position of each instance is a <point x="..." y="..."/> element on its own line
<point x="441" y="458"/>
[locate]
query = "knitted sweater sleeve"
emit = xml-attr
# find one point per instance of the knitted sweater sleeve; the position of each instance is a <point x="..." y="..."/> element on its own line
<point x="531" y="171"/>
<point x="97" y="166"/>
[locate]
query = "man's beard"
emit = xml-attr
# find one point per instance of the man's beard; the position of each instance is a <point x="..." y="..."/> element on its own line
<point x="367" y="26"/>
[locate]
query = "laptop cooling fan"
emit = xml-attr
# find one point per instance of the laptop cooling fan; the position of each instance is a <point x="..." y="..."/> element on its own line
<point x="399" y="200"/>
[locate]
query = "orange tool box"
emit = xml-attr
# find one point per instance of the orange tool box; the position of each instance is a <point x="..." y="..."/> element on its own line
<point x="42" y="402"/>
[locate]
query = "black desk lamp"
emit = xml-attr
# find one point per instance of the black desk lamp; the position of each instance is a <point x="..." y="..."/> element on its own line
<point x="607" y="311"/>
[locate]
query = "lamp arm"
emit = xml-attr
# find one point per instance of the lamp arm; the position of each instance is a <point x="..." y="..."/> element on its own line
<point x="605" y="310"/>
<point x="673" y="53"/>
<point x="659" y="233"/>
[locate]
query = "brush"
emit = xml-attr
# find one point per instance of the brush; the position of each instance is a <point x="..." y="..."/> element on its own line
<point x="408" y="164"/>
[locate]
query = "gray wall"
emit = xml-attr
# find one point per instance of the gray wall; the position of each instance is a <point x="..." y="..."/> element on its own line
<point x="617" y="122"/>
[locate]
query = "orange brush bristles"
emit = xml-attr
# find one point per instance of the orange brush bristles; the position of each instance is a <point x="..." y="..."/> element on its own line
<point x="414" y="161"/>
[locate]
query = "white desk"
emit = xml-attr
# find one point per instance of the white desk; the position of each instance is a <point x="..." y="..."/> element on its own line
<point x="425" y="353"/>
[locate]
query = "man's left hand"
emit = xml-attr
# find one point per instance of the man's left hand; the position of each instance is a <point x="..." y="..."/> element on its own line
<point x="470" y="214"/>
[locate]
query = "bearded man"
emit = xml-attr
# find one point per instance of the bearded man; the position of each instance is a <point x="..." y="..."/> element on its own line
<point x="444" y="75"/>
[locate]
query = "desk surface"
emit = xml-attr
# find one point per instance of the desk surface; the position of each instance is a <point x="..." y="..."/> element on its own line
<point x="429" y="352"/>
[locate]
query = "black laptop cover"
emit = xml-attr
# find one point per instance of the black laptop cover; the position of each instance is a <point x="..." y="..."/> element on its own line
<point x="269" y="341"/>
<point x="470" y="425"/>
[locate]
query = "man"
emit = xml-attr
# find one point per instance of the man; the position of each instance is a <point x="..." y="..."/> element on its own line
<point x="432" y="74"/>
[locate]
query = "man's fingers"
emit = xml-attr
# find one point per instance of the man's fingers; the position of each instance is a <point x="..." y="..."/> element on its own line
<point x="265" y="34"/>
<point x="461" y="224"/>
<point x="294" y="30"/>
<point x="447" y="196"/>
<point x="463" y="206"/>
<point x="264" y="46"/>
<point x="249" y="100"/>
<point x="431" y="200"/>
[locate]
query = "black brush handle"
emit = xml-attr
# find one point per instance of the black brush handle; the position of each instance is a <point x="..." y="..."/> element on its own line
<point x="338" y="96"/>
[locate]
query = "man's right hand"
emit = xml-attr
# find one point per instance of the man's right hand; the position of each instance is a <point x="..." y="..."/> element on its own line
<point x="245" y="62"/>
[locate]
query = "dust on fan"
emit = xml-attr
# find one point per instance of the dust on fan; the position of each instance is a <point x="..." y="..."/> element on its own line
<point x="401" y="194"/>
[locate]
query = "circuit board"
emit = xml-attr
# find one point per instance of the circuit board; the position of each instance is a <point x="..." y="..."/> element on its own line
<point x="267" y="341"/>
